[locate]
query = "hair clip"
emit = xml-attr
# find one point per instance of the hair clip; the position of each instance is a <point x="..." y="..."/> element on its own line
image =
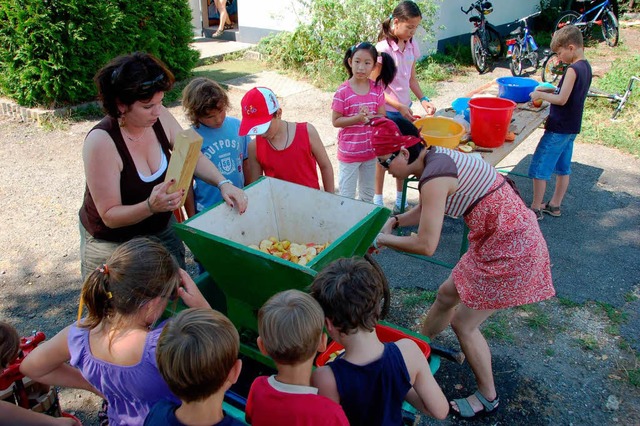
<point x="109" y="295"/>
<point x="391" y="16"/>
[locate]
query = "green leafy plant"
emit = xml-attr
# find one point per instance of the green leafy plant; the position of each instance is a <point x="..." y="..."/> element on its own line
<point x="497" y="328"/>
<point x="420" y="298"/>
<point x="316" y="48"/>
<point x="588" y="343"/>
<point x="50" y="50"/>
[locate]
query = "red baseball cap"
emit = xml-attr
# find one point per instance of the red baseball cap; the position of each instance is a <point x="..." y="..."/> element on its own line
<point x="258" y="106"/>
<point x="387" y="138"/>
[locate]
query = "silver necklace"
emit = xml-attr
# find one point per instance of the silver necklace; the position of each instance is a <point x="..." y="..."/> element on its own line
<point x="286" y="142"/>
<point x="131" y="138"/>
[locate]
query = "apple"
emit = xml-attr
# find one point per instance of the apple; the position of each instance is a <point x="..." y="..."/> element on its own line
<point x="537" y="103"/>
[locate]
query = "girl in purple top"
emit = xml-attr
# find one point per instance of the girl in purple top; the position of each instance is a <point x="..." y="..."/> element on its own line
<point x="112" y="350"/>
<point x="396" y="39"/>
<point x="356" y="101"/>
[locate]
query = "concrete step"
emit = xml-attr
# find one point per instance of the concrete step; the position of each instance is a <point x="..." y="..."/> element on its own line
<point x="229" y="35"/>
<point x="218" y="47"/>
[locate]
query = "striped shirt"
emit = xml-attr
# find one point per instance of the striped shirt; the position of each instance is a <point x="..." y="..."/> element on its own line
<point x="475" y="176"/>
<point x="354" y="142"/>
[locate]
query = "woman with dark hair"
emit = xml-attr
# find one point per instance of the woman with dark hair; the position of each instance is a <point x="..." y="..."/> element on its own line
<point x="507" y="263"/>
<point x="126" y="156"/>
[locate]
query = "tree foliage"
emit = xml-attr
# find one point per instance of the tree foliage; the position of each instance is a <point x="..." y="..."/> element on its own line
<point x="51" y="49"/>
<point x="318" y="44"/>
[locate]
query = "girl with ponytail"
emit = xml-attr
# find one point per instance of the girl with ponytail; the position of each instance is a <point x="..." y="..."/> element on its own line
<point x="111" y="351"/>
<point x="397" y="39"/>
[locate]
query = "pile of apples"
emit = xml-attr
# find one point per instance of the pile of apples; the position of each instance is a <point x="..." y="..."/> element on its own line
<point x="296" y="253"/>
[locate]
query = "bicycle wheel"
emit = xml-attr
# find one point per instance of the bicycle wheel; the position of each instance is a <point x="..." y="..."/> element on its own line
<point x="494" y="42"/>
<point x="610" y="28"/>
<point x="516" y="61"/>
<point x="552" y="69"/>
<point x="478" y="53"/>
<point x="568" y="17"/>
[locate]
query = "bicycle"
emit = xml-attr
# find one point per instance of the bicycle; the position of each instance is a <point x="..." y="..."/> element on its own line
<point x="486" y="42"/>
<point x="602" y="15"/>
<point x="552" y="68"/>
<point x="614" y="97"/>
<point x="523" y="47"/>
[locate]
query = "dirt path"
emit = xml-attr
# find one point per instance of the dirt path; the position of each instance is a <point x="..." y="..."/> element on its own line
<point x="567" y="369"/>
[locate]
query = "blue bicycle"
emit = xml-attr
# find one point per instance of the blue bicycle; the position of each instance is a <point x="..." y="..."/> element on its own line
<point x="523" y="48"/>
<point x="602" y="15"/>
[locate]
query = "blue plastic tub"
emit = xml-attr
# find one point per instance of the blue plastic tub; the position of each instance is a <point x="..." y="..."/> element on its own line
<point x="516" y="89"/>
<point x="461" y="106"/>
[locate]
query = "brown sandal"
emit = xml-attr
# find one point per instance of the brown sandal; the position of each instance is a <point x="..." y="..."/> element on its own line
<point x="551" y="210"/>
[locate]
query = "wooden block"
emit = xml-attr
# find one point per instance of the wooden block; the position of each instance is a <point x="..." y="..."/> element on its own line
<point x="184" y="157"/>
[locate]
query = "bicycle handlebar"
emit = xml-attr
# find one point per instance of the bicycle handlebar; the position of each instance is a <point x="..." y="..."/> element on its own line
<point x="524" y="20"/>
<point x="475" y="5"/>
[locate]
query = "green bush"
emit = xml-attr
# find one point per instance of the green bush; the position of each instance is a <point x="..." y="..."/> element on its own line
<point x="316" y="48"/>
<point x="51" y="49"/>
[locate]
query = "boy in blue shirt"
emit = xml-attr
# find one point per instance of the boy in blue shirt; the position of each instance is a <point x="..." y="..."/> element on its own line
<point x="206" y="105"/>
<point x="554" y="151"/>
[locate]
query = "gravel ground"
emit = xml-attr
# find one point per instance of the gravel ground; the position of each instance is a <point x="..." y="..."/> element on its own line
<point x="561" y="362"/>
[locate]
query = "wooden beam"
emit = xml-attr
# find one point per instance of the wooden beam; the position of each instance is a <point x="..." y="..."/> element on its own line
<point x="184" y="157"/>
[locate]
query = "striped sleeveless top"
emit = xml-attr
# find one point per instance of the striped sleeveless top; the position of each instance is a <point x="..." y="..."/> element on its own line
<point x="475" y="176"/>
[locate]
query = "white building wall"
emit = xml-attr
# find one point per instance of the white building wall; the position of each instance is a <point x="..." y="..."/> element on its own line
<point x="453" y="22"/>
<point x="257" y="18"/>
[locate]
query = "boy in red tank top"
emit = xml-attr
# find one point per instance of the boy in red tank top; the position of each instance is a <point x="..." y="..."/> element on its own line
<point x="281" y="149"/>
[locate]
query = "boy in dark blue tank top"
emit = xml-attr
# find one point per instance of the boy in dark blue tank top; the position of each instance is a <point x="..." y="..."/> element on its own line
<point x="553" y="153"/>
<point x="371" y="379"/>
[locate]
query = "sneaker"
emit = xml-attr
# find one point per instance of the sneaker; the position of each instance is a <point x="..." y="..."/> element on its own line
<point x="538" y="213"/>
<point x="551" y="210"/>
<point x="398" y="210"/>
<point x="378" y="203"/>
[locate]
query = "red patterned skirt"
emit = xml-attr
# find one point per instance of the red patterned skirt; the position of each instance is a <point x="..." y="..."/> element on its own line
<point x="507" y="263"/>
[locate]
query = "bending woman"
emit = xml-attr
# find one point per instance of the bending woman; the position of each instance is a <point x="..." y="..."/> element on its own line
<point x="507" y="263"/>
<point x="126" y="156"/>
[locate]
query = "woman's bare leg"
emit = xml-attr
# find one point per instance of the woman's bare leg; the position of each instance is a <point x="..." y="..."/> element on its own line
<point x="465" y="323"/>
<point x="221" y="5"/>
<point x="442" y="310"/>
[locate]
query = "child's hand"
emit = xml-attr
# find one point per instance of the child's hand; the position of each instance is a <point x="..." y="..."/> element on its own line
<point x="189" y="292"/>
<point x="364" y="115"/>
<point x="536" y="94"/>
<point x="407" y="113"/>
<point x="429" y="107"/>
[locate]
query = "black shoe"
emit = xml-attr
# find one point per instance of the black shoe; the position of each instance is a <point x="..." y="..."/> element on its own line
<point x="538" y="213"/>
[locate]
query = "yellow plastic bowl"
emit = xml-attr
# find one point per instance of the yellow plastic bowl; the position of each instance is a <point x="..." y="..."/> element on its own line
<point x="440" y="131"/>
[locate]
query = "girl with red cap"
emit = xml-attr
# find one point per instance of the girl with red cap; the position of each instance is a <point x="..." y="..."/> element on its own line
<point x="507" y="263"/>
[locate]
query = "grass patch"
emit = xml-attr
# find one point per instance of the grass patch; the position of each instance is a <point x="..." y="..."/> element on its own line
<point x="536" y="319"/>
<point x="634" y="377"/>
<point x="630" y="297"/>
<point x="497" y="329"/>
<point x="567" y="303"/>
<point x="421" y="298"/>
<point x="616" y="316"/>
<point x="597" y="127"/>
<point x="219" y="72"/>
<point x="589" y="343"/>
<point x="549" y="352"/>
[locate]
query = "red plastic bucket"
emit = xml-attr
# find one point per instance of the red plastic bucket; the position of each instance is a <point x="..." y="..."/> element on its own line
<point x="490" y="119"/>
